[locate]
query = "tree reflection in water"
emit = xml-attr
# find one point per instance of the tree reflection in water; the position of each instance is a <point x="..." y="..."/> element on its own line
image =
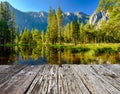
<point x="41" y="54"/>
<point x="54" y="56"/>
<point x="7" y="55"/>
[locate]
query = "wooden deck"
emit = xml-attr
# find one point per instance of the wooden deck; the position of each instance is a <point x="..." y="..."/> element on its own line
<point x="52" y="79"/>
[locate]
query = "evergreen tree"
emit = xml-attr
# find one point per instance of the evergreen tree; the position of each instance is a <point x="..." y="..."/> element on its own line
<point x="12" y="28"/>
<point x="43" y="36"/>
<point x="68" y="33"/>
<point x="50" y="14"/>
<point x="114" y="22"/>
<point x="82" y="34"/>
<point x="52" y="29"/>
<point x="5" y="16"/>
<point x="17" y="36"/>
<point x="75" y="32"/>
<point x="106" y="5"/>
<point x="7" y="24"/>
<point x="36" y="36"/>
<point x="60" y="23"/>
<point x="47" y="36"/>
<point x="26" y="37"/>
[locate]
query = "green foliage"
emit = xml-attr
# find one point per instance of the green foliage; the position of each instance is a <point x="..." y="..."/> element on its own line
<point x="36" y="52"/>
<point x="60" y="24"/>
<point x="68" y="33"/>
<point x="26" y="37"/>
<point x="36" y="36"/>
<point x="30" y="38"/>
<point x="89" y="34"/>
<point x="79" y="49"/>
<point x="109" y="32"/>
<point x="106" y="5"/>
<point x="114" y="23"/>
<point x="111" y="28"/>
<point x="75" y="31"/>
<point x="43" y="36"/>
<point x="118" y="49"/>
<point x="26" y="51"/>
<point x="7" y="24"/>
<point x="52" y="29"/>
<point x="103" y="50"/>
<point x="47" y="36"/>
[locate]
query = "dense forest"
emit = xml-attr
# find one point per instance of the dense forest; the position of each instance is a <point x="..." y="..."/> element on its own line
<point x="7" y="25"/>
<point x="74" y="32"/>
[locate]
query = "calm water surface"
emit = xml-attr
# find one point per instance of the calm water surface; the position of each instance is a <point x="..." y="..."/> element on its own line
<point x="48" y="55"/>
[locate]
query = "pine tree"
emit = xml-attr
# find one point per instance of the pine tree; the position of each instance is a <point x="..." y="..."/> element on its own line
<point x="52" y="29"/>
<point x="47" y="36"/>
<point x="5" y="16"/>
<point x="106" y="5"/>
<point x="75" y="33"/>
<point x="36" y="36"/>
<point x="26" y="37"/>
<point x="60" y="23"/>
<point x="68" y="33"/>
<point x="82" y="34"/>
<point x="12" y="27"/>
<point x="7" y="24"/>
<point x="43" y="36"/>
<point x="114" y="22"/>
<point x="48" y="40"/>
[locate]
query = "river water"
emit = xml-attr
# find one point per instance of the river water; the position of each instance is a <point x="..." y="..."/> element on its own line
<point x="35" y="55"/>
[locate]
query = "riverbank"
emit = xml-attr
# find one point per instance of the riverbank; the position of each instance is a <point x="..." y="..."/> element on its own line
<point x="65" y="53"/>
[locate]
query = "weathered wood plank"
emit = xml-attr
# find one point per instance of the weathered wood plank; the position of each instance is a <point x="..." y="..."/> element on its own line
<point x="107" y="75"/>
<point x="116" y="69"/>
<point x="41" y="79"/>
<point x="78" y="81"/>
<point x="53" y="83"/>
<point x="95" y="83"/>
<point x="89" y="84"/>
<point x="2" y="67"/>
<point x="52" y="79"/>
<point x="62" y="80"/>
<point x="58" y="80"/>
<point x="7" y="73"/>
<point x="69" y="82"/>
<point x="113" y="67"/>
<point x="73" y="87"/>
<point x="103" y="85"/>
<point x="21" y="81"/>
<point x="74" y="83"/>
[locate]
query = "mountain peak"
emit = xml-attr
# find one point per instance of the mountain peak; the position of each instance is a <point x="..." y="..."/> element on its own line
<point x="38" y="20"/>
<point x="67" y="13"/>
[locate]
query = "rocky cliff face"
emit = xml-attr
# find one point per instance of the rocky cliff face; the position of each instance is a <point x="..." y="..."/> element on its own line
<point x="97" y="17"/>
<point x="101" y="13"/>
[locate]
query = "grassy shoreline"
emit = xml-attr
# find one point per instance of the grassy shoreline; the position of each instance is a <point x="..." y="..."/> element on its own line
<point x="109" y="48"/>
<point x="91" y="46"/>
<point x="69" y="45"/>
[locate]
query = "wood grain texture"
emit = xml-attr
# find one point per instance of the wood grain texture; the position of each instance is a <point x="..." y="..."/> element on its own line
<point x="52" y="79"/>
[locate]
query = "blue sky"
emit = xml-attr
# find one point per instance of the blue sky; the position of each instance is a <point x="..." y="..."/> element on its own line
<point x="86" y="6"/>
